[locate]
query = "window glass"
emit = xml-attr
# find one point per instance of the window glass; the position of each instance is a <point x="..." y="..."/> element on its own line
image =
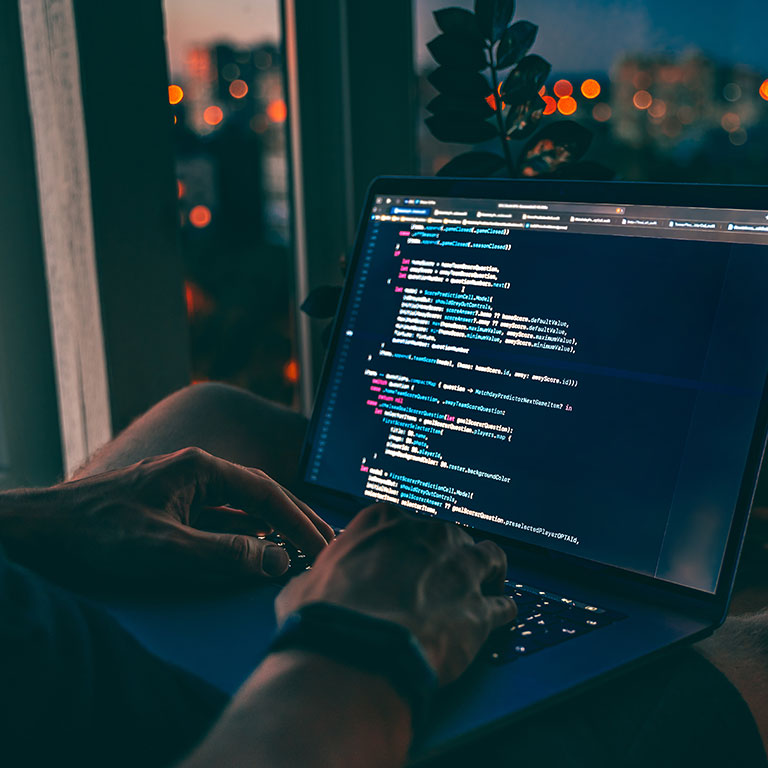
<point x="672" y="91"/>
<point x="229" y="111"/>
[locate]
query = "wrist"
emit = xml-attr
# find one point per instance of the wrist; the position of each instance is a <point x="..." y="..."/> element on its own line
<point x="372" y="644"/>
<point x="302" y="708"/>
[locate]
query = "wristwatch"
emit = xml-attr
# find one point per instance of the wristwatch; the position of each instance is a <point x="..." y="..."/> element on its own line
<point x="366" y="642"/>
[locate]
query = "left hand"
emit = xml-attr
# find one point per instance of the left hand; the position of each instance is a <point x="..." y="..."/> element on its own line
<point x="161" y="522"/>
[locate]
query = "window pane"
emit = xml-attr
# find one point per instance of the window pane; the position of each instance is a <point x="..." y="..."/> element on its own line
<point x="678" y="94"/>
<point x="227" y="95"/>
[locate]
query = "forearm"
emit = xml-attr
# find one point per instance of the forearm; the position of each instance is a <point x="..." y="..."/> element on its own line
<point x="20" y="514"/>
<point x="304" y="709"/>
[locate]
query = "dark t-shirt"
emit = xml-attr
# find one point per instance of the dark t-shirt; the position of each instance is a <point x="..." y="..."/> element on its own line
<point x="76" y="689"/>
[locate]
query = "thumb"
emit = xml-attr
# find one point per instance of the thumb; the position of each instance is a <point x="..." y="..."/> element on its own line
<point x="234" y="554"/>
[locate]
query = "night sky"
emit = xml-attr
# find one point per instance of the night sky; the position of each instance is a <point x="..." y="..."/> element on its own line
<point x="575" y="35"/>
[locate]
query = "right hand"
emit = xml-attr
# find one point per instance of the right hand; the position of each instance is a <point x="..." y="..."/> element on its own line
<point x="427" y="575"/>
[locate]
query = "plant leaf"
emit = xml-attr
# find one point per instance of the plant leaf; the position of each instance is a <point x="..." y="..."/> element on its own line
<point x="551" y="147"/>
<point x="322" y="301"/>
<point x="459" y="21"/>
<point x="525" y="79"/>
<point x="459" y="82"/>
<point x="459" y="128"/>
<point x="469" y="107"/>
<point x="472" y="164"/>
<point x="455" y="51"/>
<point x="521" y="121"/>
<point x="515" y="43"/>
<point x="493" y="17"/>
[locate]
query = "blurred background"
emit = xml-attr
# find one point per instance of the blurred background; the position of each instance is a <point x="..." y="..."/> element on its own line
<point x="671" y="91"/>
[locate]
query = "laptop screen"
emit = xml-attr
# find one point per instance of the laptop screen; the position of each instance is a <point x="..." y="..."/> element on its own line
<point x="580" y="376"/>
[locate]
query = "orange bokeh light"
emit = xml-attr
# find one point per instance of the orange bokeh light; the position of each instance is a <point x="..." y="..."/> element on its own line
<point x="238" y="89"/>
<point x="590" y="88"/>
<point x="277" y="111"/>
<point x="213" y="115"/>
<point x="200" y="216"/>
<point x="542" y="91"/>
<point x="642" y="99"/>
<point x="180" y="188"/>
<point x="731" y="122"/>
<point x="764" y="90"/>
<point x="562" y="88"/>
<point x="551" y="105"/>
<point x="658" y="109"/>
<point x="291" y="371"/>
<point x="197" y="300"/>
<point x="175" y="94"/>
<point x="602" y="112"/>
<point x="567" y="105"/>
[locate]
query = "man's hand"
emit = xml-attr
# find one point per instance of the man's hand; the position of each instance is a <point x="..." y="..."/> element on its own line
<point x="169" y="521"/>
<point x="427" y="575"/>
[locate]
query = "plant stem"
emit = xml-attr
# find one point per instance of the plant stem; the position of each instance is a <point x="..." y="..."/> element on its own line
<point x="500" y="114"/>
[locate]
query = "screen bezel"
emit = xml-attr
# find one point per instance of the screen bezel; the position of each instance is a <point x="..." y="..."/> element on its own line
<point x="596" y="192"/>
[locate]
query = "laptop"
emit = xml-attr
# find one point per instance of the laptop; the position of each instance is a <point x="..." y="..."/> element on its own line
<point x="575" y="370"/>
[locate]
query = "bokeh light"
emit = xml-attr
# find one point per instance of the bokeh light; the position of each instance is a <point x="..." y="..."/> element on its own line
<point x="175" y="94"/>
<point x="213" y="115"/>
<point x="238" y="89"/>
<point x="562" y="88"/>
<point x="551" y="105"/>
<point x="180" y="188"/>
<point x="658" y="109"/>
<point x="291" y="371"/>
<point x="730" y="122"/>
<point x="731" y="92"/>
<point x="590" y="88"/>
<point x="602" y="112"/>
<point x="764" y="89"/>
<point x="277" y="112"/>
<point x="200" y="216"/>
<point x="567" y="105"/>
<point x="642" y="99"/>
<point x="737" y="138"/>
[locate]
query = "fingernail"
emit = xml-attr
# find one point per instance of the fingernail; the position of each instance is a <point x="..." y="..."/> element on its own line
<point x="275" y="560"/>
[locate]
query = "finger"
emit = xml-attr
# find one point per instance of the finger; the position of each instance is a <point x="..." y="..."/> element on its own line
<point x="226" y="520"/>
<point x="225" y="556"/>
<point x="222" y="482"/>
<point x="501" y="610"/>
<point x="489" y="562"/>
<point x="327" y="532"/>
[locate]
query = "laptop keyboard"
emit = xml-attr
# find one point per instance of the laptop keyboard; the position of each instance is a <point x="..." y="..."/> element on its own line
<point x="543" y="620"/>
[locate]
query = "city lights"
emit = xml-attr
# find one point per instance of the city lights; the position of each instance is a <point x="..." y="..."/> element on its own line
<point x="291" y="371"/>
<point x="602" y="112"/>
<point x="730" y="122"/>
<point x="658" y="109"/>
<point x="562" y="88"/>
<point x="238" y="89"/>
<point x="590" y="88"/>
<point x="213" y="115"/>
<point x="200" y="216"/>
<point x="277" y="111"/>
<point x="175" y="94"/>
<point x="566" y="105"/>
<point x="642" y="99"/>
